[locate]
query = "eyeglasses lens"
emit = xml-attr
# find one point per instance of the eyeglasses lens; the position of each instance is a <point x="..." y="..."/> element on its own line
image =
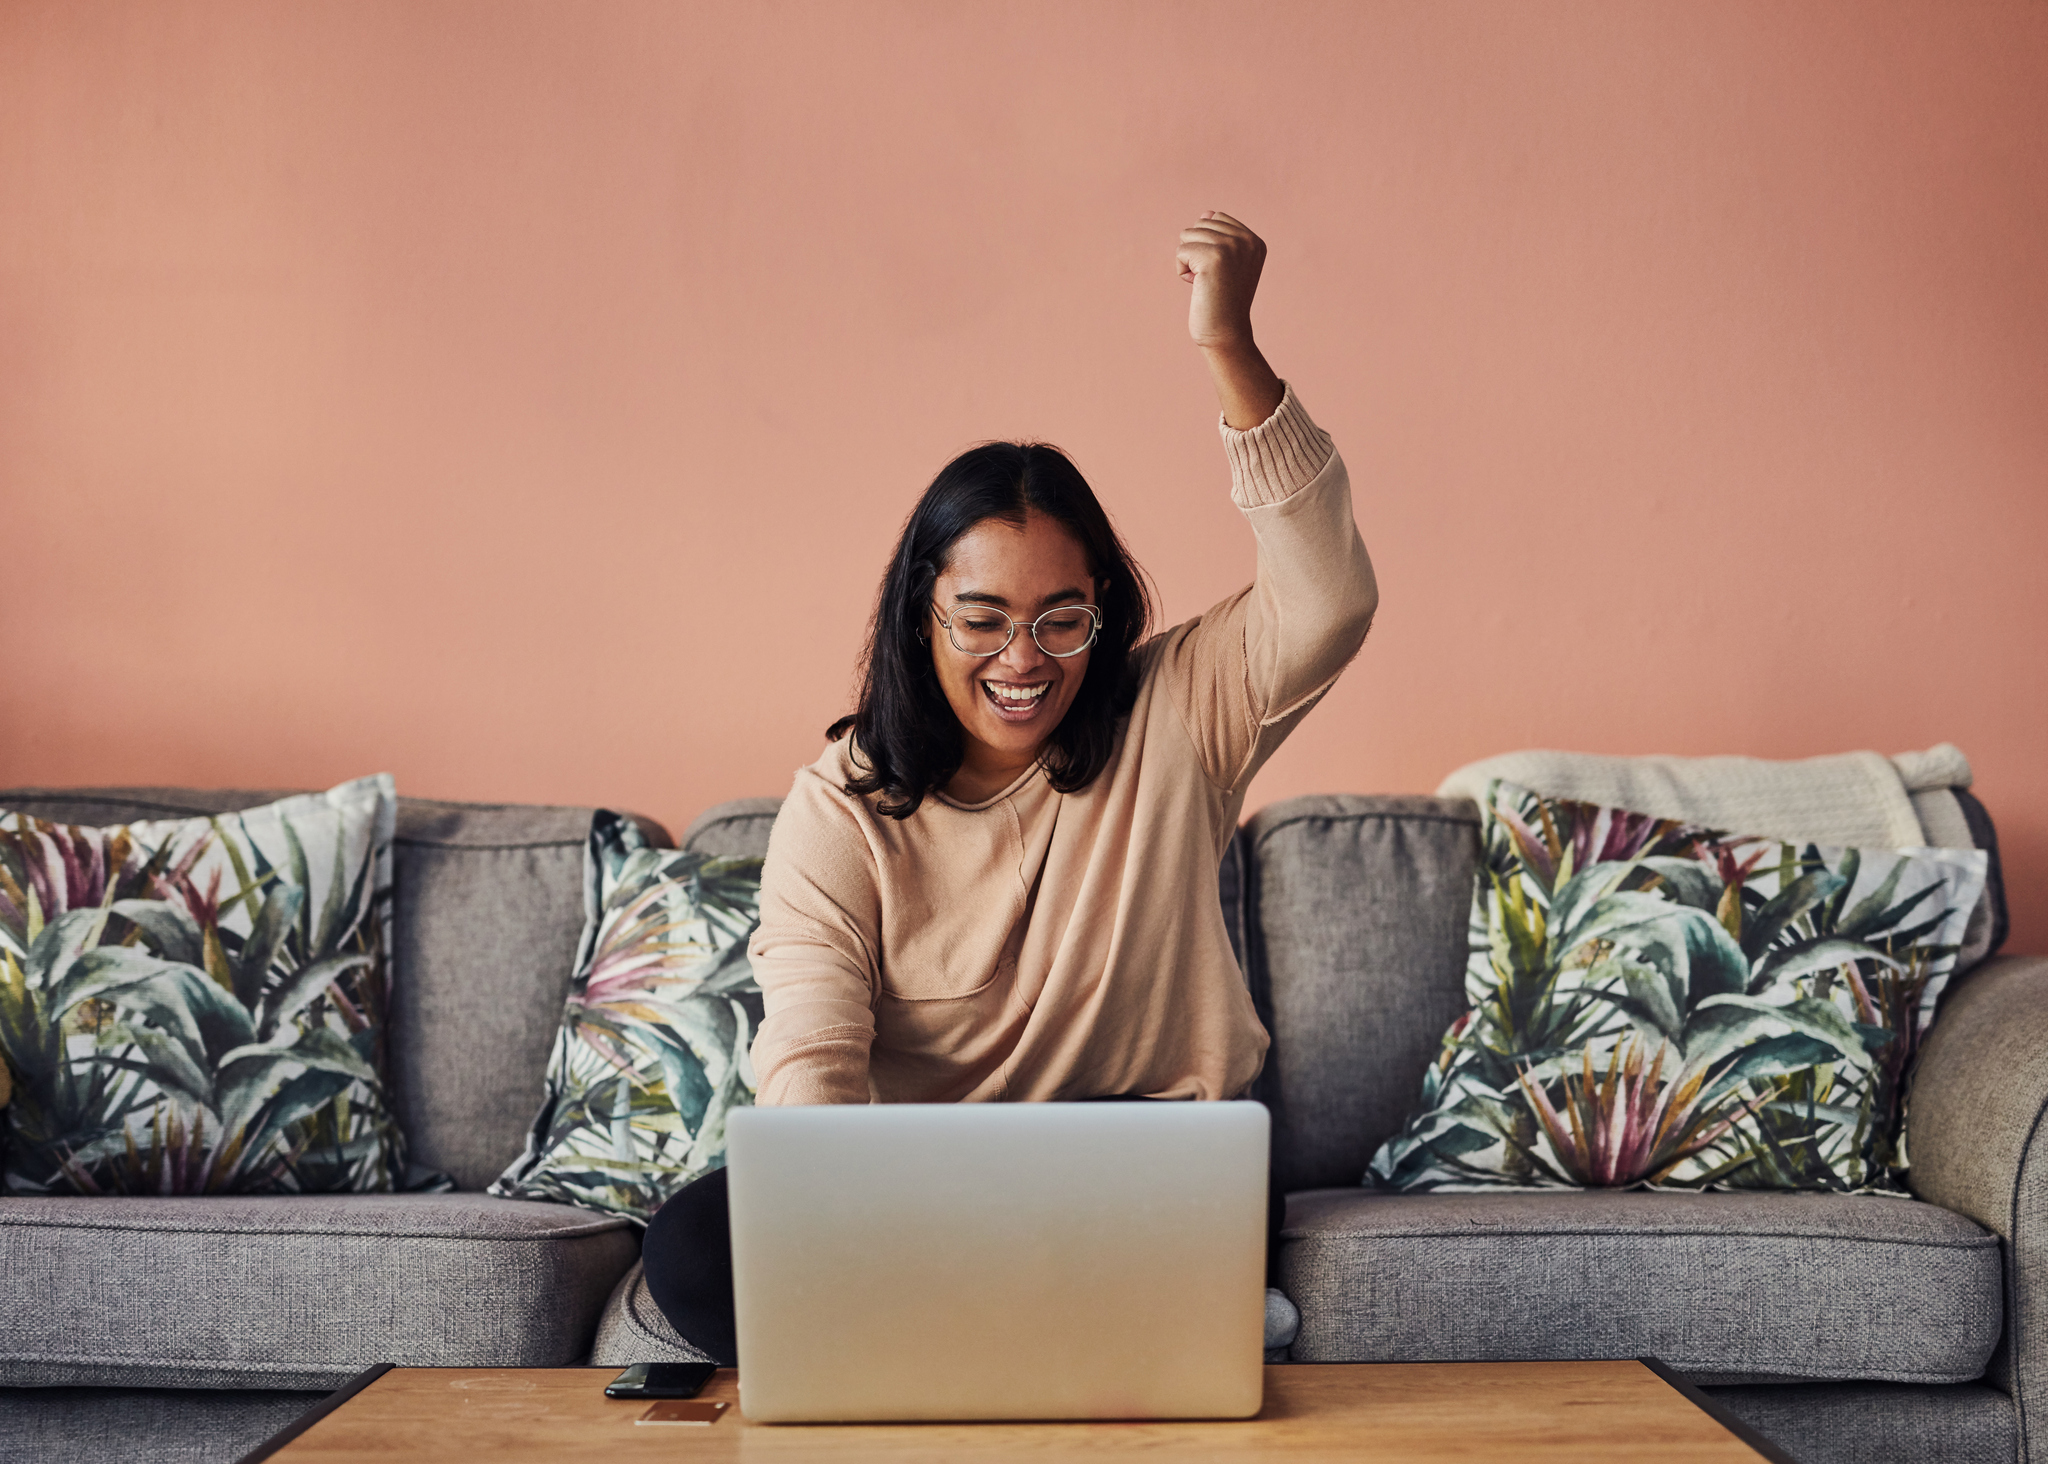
<point x="1064" y="631"/>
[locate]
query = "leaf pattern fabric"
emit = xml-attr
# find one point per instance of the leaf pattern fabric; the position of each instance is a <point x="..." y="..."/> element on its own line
<point x="199" y="1006"/>
<point x="651" y="1056"/>
<point x="1657" y="1004"/>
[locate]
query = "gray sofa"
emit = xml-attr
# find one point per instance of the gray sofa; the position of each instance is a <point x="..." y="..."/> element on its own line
<point x="1843" y="1328"/>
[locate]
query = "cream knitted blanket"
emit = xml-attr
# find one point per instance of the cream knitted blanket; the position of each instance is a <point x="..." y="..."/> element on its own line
<point x="1848" y="798"/>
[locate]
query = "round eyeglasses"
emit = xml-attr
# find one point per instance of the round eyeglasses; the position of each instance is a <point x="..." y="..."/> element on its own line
<point x="983" y="630"/>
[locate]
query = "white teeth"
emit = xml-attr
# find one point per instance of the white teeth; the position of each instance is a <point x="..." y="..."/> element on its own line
<point x="1018" y="694"/>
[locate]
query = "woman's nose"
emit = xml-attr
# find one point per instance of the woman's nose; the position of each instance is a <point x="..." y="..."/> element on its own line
<point x="1022" y="653"/>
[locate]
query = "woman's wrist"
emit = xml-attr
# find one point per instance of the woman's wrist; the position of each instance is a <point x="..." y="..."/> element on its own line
<point x="1236" y="342"/>
<point x="1246" y="386"/>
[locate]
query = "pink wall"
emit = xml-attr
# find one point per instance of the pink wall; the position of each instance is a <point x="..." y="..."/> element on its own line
<point x="523" y="397"/>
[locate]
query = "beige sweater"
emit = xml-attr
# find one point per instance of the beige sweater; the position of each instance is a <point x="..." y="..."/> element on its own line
<point x="1042" y="945"/>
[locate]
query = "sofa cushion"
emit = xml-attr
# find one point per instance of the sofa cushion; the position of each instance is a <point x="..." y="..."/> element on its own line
<point x="633" y="1329"/>
<point x="1354" y="928"/>
<point x="1726" y="1287"/>
<point x="141" y="1425"/>
<point x="201" y="1004"/>
<point x="1654" y="1002"/>
<point x="1854" y="1423"/>
<point x="662" y="1009"/>
<point x="296" y="1291"/>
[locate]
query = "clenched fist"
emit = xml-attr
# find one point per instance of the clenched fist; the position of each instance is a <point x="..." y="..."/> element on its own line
<point x="1221" y="258"/>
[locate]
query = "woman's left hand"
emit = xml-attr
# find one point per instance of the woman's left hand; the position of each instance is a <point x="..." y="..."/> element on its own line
<point x="1221" y="258"/>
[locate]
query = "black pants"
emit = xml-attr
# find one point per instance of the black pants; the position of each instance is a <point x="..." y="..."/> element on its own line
<point x="687" y="1253"/>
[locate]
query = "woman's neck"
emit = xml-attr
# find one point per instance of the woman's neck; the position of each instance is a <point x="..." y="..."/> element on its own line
<point x="983" y="773"/>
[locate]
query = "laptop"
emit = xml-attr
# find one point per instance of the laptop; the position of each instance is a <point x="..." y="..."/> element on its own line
<point x="999" y="1260"/>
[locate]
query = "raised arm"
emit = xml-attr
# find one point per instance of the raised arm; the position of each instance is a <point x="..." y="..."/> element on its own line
<point x="1247" y="673"/>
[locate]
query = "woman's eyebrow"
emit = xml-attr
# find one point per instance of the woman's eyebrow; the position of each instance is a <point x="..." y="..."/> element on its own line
<point x="979" y="597"/>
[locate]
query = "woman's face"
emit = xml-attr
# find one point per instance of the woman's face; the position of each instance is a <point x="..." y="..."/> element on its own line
<point x="1008" y="704"/>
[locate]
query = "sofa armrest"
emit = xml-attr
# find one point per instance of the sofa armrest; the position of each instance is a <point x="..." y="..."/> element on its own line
<point x="1978" y="1146"/>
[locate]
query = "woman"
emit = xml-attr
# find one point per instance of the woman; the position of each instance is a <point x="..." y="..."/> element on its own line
<point x="999" y="881"/>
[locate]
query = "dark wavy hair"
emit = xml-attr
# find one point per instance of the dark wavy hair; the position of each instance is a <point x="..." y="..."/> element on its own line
<point x="906" y="739"/>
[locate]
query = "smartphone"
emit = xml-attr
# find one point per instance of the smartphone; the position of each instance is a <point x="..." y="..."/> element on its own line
<point x="661" y="1380"/>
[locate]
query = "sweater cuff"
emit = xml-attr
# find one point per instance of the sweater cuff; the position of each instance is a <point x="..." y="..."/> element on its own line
<point x="1279" y="457"/>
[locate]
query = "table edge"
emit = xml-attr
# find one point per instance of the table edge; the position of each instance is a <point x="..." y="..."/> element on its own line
<point x="1684" y="1387"/>
<point x="317" y="1412"/>
<point x="1719" y="1412"/>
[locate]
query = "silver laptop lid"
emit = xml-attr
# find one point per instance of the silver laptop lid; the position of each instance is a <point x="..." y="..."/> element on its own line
<point x="980" y="1260"/>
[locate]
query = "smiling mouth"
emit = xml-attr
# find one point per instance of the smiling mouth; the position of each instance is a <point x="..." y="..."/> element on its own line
<point x="1014" y="702"/>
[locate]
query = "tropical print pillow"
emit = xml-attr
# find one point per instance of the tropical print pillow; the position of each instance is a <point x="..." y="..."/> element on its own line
<point x="1658" y="1004"/>
<point x="198" y="1006"/>
<point x="652" y="1052"/>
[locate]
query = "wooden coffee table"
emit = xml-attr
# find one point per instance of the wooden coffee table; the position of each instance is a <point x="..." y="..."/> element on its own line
<point x="1421" y="1411"/>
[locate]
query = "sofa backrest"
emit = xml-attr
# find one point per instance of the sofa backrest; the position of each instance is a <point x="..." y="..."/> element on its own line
<point x="1355" y="915"/>
<point x="734" y="830"/>
<point x="488" y="907"/>
<point x="1347" y="912"/>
